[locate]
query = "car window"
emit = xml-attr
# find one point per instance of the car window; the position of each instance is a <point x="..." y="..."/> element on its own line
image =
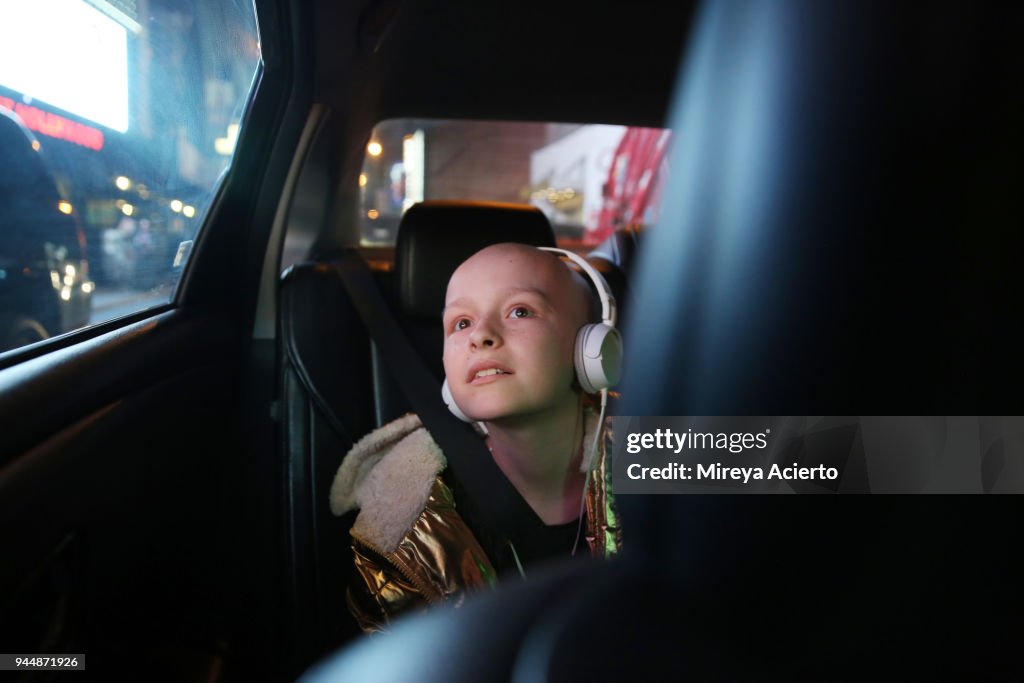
<point x="118" y="120"/>
<point x="588" y="179"/>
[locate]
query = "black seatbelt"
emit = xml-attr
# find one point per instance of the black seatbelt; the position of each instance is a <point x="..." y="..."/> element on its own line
<point x="490" y="493"/>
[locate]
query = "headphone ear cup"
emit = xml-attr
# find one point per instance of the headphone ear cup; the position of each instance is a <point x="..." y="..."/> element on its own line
<point x="598" y="357"/>
<point x="449" y="400"/>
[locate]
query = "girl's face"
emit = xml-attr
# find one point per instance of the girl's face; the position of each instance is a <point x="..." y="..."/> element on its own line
<point x="510" y="321"/>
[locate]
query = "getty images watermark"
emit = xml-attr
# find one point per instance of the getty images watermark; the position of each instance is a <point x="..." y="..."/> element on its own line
<point x="733" y="442"/>
<point x="903" y="454"/>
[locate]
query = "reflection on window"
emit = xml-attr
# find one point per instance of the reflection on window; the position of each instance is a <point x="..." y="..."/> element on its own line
<point x="589" y="180"/>
<point x="118" y="119"/>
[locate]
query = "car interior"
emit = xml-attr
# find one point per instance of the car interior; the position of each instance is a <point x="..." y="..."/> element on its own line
<point x="840" y="232"/>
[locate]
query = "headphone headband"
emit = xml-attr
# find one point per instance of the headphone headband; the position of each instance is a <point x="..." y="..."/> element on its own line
<point x="608" y="312"/>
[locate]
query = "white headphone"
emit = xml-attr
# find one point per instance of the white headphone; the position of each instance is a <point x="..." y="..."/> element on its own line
<point x="597" y="355"/>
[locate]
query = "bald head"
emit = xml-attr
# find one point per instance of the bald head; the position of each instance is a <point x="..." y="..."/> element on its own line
<point x="520" y="265"/>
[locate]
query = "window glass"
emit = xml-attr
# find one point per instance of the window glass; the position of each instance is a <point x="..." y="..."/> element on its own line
<point x="118" y="119"/>
<point x="588" y="179"/>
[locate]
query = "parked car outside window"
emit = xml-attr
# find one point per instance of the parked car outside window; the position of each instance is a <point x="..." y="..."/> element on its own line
<point x="45" y="288"/>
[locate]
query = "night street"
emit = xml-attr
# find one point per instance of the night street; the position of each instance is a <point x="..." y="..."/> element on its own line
<point x="110" y="303"/>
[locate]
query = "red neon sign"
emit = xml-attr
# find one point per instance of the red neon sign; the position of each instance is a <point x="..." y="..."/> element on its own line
<point x="55" y="126"/>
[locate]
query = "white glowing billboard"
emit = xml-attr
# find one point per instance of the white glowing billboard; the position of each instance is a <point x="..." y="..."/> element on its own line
<point x="67" y="54"/>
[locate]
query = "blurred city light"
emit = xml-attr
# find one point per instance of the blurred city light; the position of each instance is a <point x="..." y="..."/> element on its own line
<point x="39" y="41"/>
<point x="362" y="180"/>
<point x="226" y="145"/>
<point x="372" y="214"/>
<point x="123" y="183"/>
<point x="189" y="211"/>
<point x="413" y="167"/>
<point x="374" y="149"/>
<point x="127" y="209"/>
<point x="64" y="206"/>
<point x="177" y="205"/>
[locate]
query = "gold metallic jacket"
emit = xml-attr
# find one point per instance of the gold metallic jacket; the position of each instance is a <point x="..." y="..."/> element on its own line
<point x="411" y="547"/>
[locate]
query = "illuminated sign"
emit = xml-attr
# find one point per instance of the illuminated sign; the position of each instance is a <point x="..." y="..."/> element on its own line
<point x="67" y="54"/>
<point x="54" y="126"/>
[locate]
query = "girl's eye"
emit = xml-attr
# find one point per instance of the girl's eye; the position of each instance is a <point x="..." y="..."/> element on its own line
<point x="461" y="324"/>
<point x="521" y="312"/>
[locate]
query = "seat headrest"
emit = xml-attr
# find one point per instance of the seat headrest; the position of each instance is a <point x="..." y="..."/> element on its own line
<point x="434" y="237"/>
<point x="619" y="248"/>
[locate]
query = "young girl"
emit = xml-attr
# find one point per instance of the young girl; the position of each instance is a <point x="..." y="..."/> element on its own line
<point x="511" y="317"/>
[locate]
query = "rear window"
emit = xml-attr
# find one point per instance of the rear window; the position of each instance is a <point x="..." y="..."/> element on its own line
<point x="588" y="179"/>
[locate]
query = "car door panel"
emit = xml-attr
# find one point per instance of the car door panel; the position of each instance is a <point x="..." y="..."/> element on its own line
<point x="124" y="500"/>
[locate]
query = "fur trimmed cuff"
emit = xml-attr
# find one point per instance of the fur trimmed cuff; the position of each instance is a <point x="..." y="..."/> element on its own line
<point x="387" y="475"/>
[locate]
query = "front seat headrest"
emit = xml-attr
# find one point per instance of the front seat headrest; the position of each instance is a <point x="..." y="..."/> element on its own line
<point x="434" y="237"/>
